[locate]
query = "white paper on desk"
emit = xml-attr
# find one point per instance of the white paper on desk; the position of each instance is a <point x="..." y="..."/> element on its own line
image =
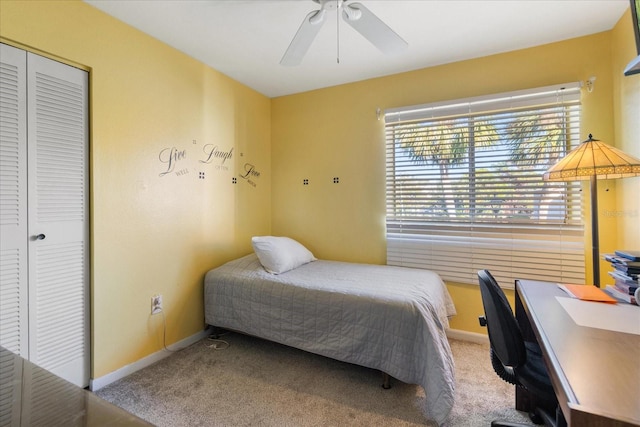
<point x="612" y="317"/>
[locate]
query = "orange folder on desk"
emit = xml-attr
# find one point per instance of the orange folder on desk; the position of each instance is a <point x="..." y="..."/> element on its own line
<point x="587" y="293"/>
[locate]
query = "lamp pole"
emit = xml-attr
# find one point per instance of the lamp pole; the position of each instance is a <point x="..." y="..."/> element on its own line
<point x="594" y="230"/>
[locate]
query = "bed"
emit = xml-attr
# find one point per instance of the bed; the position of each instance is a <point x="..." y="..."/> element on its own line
<point x="392" y="319"/>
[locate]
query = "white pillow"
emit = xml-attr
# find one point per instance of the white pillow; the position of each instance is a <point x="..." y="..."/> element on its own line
<point x="280" y="254"/>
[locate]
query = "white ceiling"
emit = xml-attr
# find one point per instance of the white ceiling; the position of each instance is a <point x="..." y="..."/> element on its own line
<point x="245" y="39"/>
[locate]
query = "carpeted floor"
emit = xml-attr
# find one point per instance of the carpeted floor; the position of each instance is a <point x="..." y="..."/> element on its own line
<point x="260" y="383"/>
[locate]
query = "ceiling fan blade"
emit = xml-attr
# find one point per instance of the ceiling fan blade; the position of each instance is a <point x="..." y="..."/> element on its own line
<point x="373" y="29"/>
<point x="303" y="38"/>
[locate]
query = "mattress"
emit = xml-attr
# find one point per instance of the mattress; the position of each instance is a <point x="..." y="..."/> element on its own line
<point x="388" y="318"/>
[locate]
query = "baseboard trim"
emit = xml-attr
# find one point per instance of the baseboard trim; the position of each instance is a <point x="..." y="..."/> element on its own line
<point x="97" y="383"/>
<point x="459" y="334"/>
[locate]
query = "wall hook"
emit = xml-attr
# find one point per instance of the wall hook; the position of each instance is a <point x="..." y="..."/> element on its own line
<point x="589" y="83"/>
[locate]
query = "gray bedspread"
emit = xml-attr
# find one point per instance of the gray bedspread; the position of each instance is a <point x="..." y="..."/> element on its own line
<point x="382" y="317"/>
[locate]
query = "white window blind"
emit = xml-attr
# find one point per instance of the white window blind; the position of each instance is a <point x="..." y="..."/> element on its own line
<point x="465" y="189"/>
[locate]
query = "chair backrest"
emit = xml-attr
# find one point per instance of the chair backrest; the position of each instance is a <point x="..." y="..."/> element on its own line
<point x="504" y="333"/>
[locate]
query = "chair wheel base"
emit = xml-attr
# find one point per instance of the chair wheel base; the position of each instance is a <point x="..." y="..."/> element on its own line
<point x="536" y="418"/>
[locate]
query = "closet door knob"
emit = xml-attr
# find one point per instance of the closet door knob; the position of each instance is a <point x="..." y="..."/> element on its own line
<point x="40" y="237"/>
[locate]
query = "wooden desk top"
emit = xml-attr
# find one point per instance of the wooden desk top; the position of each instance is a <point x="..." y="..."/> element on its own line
<point x="32" y="396"/>
<point x="595" y="372"/>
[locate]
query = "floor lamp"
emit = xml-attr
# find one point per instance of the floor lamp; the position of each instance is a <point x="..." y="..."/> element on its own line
<point x="592" y="160"/>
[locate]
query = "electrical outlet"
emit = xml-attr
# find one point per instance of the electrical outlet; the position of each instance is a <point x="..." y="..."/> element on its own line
<point x="156" y="304"/>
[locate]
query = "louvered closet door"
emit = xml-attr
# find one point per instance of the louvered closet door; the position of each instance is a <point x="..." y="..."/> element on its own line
<point x="57" y="106"/>
<point x="13" y="201"/>
<point x="44" y="257"/>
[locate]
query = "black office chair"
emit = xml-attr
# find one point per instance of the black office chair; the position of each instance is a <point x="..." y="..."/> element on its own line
<point x="515" y="360"/>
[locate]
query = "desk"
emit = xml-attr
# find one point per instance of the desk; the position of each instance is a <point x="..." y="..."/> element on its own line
<point x="595" y="372"/>
<point x="32" y="396"/>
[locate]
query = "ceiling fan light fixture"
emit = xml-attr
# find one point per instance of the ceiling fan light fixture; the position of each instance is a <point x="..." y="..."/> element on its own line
<point x="352" y="13"/>
<point x="357" y="16"/>
<point x="318" y="17"/>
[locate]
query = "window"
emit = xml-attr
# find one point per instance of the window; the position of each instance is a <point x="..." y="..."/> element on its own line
<point x="465" y="189"/>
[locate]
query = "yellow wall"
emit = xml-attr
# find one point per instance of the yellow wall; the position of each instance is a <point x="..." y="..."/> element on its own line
<point x="626" y="95"/>
<point x="334" y="132"/>
<point x="150" y="233"/>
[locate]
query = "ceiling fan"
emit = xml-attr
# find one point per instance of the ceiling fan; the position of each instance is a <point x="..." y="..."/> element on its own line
<point x="354" y="14"/>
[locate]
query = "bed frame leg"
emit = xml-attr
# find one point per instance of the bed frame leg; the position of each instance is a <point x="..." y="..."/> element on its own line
<point x="216" y="332"/>
<point x="386" y="381"/>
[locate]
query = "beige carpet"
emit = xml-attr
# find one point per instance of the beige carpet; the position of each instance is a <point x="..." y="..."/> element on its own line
<point x="260" y="383"/>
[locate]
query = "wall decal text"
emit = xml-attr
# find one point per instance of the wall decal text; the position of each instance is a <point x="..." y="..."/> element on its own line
<point x="174" y="161"/>
<point x="250" y="173"/>
<point x="172" y="157"/>
<point x="213" y="152"/>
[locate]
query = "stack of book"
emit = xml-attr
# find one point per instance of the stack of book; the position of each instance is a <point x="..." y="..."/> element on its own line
<point x="626" y="269"/>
